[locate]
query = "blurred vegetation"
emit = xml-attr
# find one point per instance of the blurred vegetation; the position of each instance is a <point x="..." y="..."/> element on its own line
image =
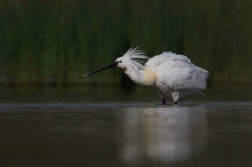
<point x="55" y="42"/>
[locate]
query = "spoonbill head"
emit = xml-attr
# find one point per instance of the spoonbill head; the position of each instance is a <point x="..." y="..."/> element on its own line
<point x="172" y="75"/>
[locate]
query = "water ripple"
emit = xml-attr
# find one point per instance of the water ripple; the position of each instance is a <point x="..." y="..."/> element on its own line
<point x="123" y="104"/>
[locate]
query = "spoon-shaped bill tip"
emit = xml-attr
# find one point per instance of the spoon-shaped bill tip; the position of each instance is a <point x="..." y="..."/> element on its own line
<point x="85" y="76"/>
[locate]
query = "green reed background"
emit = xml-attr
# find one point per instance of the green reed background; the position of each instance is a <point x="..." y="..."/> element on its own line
<point x="55" y="42"/>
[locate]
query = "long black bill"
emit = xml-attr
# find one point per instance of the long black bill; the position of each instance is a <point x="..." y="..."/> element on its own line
<point x="104" y="68"/>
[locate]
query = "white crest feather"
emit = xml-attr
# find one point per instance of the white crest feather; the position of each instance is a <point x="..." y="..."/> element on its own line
<point x="133" y="54"/>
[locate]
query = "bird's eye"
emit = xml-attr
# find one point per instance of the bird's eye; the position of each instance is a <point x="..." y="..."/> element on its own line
<point x="120" y="61"/>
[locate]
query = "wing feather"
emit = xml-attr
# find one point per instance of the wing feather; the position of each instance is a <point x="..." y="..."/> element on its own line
<point x="176" y="72"/>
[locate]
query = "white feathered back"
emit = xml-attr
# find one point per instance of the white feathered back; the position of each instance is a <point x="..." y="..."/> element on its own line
<point x="166" y="56"/>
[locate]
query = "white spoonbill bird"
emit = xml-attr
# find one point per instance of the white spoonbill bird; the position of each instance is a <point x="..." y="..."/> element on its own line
<point x="172" y="75"/>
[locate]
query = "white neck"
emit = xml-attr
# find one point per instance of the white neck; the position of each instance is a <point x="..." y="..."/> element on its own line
<point x="145" y="77"/>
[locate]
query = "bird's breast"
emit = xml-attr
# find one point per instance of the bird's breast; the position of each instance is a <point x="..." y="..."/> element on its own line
<point x="149" y="77"/>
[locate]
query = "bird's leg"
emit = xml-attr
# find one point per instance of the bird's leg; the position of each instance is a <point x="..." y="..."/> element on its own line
<point x="163" y="101"/>
<point x="175" y="97"/>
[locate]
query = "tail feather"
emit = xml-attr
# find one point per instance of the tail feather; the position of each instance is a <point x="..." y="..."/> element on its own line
<point x="203" y="74"/>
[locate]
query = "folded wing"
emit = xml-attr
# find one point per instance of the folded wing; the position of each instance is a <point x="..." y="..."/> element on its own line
<point x="176" y="72"/>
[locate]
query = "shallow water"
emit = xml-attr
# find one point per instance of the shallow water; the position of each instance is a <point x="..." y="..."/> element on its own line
<point x="107" y="127"/>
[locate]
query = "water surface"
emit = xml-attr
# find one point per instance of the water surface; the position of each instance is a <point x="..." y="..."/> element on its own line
<point x="107" y="127"/>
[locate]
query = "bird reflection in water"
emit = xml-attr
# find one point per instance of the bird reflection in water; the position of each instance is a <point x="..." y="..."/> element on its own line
<point x="162" y="134"/>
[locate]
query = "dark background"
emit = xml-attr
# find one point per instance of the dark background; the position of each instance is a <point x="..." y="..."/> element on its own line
<point x="55" y="42"/>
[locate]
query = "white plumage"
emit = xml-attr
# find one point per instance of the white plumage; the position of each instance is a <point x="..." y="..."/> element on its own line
<point x="172" y="75"/>
<point x="177" y="76"/>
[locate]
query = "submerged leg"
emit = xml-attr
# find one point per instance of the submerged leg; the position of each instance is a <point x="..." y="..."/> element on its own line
<point x="163" y="101"/>
<point x="162" y="97"/>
